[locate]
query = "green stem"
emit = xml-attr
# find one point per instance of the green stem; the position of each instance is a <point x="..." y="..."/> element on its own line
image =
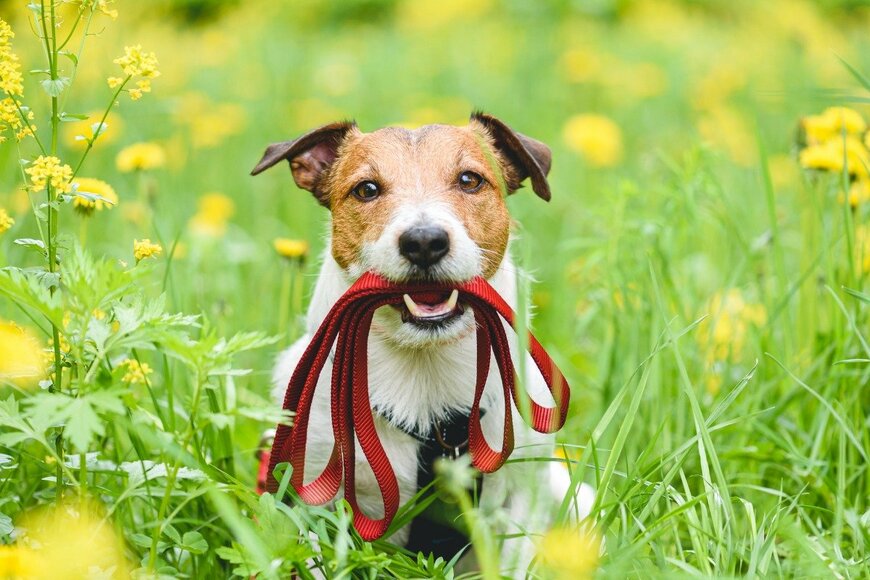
<point x="173" y="472"/>
<point x="93" y="139"/>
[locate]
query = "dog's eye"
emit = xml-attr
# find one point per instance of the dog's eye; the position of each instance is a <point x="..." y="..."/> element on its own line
<point x="366" y="190"/>
<point x="469" y="181"/>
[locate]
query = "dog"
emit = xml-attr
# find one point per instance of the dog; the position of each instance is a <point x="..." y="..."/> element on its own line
<point x="426" y="204"/>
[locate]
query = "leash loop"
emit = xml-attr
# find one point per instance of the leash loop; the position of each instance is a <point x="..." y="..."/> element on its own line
<point x="347" y="327"/>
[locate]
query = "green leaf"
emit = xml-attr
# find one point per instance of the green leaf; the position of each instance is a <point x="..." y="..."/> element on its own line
<point x="54" y="87"/>
<point x="73" y="117"/>
<point x="859" y="295"/>
<point x="6" y="526"/>
<point x="70" y="55"/>
<point x="194" y="543"/>
<point x="35" y="244"/>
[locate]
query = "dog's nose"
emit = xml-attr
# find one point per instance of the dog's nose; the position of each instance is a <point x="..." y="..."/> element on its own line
<point x="424" y="246"/>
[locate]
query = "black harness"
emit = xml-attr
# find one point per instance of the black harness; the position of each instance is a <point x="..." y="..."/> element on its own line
<point x="439" y="536"/>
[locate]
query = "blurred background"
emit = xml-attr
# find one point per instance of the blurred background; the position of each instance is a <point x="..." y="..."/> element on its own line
<point x="678" y="193"/>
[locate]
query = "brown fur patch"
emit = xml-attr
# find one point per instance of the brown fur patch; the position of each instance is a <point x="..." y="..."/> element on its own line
<point x="421" y="164"/>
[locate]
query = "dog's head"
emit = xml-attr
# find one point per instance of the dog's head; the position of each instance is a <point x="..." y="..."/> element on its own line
<point x="423" y="204"/>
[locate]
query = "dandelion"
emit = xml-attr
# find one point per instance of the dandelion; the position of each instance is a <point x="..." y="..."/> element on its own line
<point x="136" y="372"/>
<point x="20" y="353"/>
<point x="214" y="211"/>
<point x="69" y="541"/>
<point x="143" y="249"/>
<point x="862" y="249"/>
<point x="94" y="187"/>
<point x="291" y="249"/>
<point x="569" y="553"/>
<point x="6" y="221"/>
<point x="48" y="170"/>
<point x="831" y="124"/>
<point x="835" y="154"/>
<point x="140" y="157"/>
<point x="597" y="138"/>
<point x="136" y="63"/>
<point x="723" y="335"/>
<point x="859" y="192"/>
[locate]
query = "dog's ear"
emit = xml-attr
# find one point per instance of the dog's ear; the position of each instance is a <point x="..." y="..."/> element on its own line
<point x="309" y="156"/>
<point x="528" y="157"/>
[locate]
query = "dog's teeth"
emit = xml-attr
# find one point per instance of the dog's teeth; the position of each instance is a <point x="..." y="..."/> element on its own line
<point x="454" y="298"/>
<point x="412" y="306"/>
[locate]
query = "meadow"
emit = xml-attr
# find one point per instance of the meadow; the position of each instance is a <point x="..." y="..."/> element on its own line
<point x="701" y="275"/>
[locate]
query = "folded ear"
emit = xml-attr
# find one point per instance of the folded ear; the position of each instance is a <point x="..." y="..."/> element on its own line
<point x="309" y="156"/>
<point x="528" y="157"/>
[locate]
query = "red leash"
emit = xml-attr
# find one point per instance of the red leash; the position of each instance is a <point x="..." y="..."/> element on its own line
<point x="349" y="321"/>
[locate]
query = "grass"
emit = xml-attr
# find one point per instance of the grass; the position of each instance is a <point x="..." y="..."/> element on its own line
<point x="706" y="297"/>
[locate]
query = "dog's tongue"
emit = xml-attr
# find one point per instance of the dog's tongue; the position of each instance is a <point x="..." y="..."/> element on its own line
<point x="431" y="304"/>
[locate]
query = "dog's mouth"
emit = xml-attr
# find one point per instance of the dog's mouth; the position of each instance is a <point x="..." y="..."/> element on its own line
<point x="430" y="311"/>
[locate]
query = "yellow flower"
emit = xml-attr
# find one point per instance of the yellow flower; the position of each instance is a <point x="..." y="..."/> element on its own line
<point x="6" y="221"/>
<point x="143" y="249"/>
<point x="830" y="156"/>
<point x="135" y="212"/>
<point x="80" y="133"/>
<point x="73" y="540"/>
<point x="102" y="6"/>
<point x="831" y="124"/>
<point x="723" y="334"/>
<point x="210" y="123"/>
<point x="596" y="138"/>
<point x="136" y="63"/>
<point x="291" y="249"/>
<point x="48" y="170"/>
<point x="569" y="553"/>
<point x="215" y="210"/>
<point x="10" y="118"/>
<point x="18" y="562"/>
<point x="21" y="356"/>
<point x="136" y="372"/>
<point x="859" y="192"/>
<point x="862" y="249"/>
<point x="10" y="68"/>
<point x="87" y="206"/>
<point x="140" y="157"/>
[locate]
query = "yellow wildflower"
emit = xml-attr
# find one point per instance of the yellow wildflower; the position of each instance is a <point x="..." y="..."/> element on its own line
<point x="89" y="130"/>
<point x="20" y="353"/>
<point x="136" y="372"/>
<point x="215" y="210"/>
<point x="291" y="249"/>
<point x="569" y="553"/>
<point x="722" y="335"/>
<point x="596" y="138"/>
<point x="831" y="124"/>
<point x="48" y="170"/>
<point x="6" y="221"/>
<point x="18" y="562"/>
<point x="862" y="249"/>
<point x="10" y="69"/>
<point x="102" y="7"/>
<point x="89" y="185"/>
<point x="859" y="192"/>
<point x="11" y="118"/>
<point x="143" y="249"/>
<point x="135" y="212"/>
<point x="140" y="157"/>
<point x="74" y="540"/>
<point x="136" y="63"/>
<point x="830" y="156"/>
<point x="210" y="123"/>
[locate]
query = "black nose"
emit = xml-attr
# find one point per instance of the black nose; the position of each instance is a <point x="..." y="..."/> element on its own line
<point x="424" y="246"/>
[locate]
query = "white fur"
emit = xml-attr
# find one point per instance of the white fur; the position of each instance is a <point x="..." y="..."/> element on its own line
<point x="417" y="376"/>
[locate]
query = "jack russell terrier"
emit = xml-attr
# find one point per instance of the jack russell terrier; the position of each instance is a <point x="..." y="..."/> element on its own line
<point x="427" y="205"/>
